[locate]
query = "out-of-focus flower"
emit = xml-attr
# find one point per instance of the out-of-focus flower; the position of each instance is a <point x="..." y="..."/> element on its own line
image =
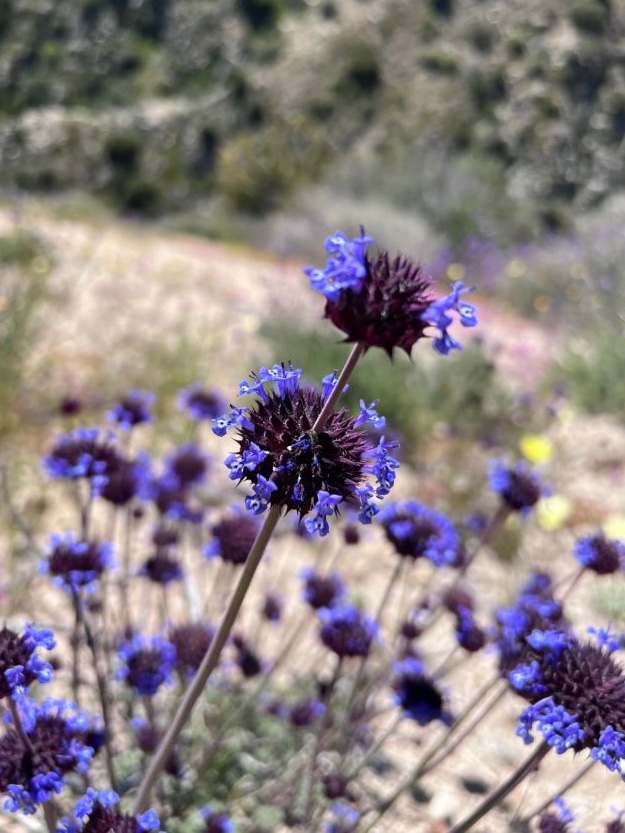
<point x="74" y="564"/>
<point x="519" y="487"/>
<point x="147" y="664"/>
<point x="599" y="554"/>
<point x="536" y="448"/>
<point x="416" y="531"/>
<point x="132" y="409"/>
<point x="201" y="403"/>
<point x="417" y="695"/>
<point x="347" y="631"/>
<point x="96" y="812"/>
<point x="20" y="664"/>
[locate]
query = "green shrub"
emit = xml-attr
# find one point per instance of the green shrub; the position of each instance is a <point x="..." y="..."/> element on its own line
<point x="593" y="375"/>
<point x="257" y="170"/>
<point x="590" y="17"/>
<point x="25" y="265"/>
<point x="439" y="61"/>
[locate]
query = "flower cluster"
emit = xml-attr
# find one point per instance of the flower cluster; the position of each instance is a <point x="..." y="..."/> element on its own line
<point x="292" y="466"/>
<point x="576" y="692"/>
<point x="417" y="695"/>
<point x="600" y="554"/>
<point x="417" y="531"/>
<point x="20" y="664"/>
<point x="520" y="488"/>
<point x="132" y="409"/>
<point x="347" y="631"/>
<point x="383" y="301"/>
<point x="146" y="664"/>
<point x="74" y="564"/>
<point x="96" y="812"/>
<point x="32" y="773"/>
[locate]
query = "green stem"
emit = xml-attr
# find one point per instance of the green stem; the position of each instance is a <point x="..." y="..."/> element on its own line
<point x="498" y="795"/>
<point x="328" y="405"/>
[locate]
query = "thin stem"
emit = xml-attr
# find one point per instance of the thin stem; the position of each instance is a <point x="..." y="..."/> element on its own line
<point x="328" y="406"/>
<point x="211" y="658"/>
<point x="101" y="680"/>
<point x="575" y="779"/>
<point x="529" y="765"/>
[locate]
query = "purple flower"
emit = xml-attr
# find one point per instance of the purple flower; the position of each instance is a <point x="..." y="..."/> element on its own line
<point x="191" y="641"/>
<point x="20" y="664"/>
<point x="520" y="489"/>
<point x="417" y="695"/>
<point x="55" y="731"/>
<point x="147" y="664"/>
<point x="347" y="631"/>
<point x="232" y="538"/>
<point x="74" y="564"/>
<point x="96" y="812"/>
<point x="289" y="465"/>
<point x="216" y="822"/>
<point x="417" y="531"/>
<point x="382" y="301"/>
<point x="87" y="453"/>
<point x="201" y="403"/>
<point x="600" y="554"/>
<point x="322" y="591"/>
<point x="132" y="409"/>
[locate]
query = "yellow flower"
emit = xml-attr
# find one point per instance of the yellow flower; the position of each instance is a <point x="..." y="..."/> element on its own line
<point x="614" y="527"/>
<point x="536" y="448"/>
<point x="553" y="512"/>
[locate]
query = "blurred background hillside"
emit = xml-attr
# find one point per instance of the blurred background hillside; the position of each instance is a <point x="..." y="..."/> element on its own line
<point x="483" y="137"/>
<point x="503" y="119"/>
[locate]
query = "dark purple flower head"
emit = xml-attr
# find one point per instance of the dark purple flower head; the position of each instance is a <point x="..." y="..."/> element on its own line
<point x="520" y="488"/>
<point x="187" y="465"/>
<point x="201" y="403"/>
<point x="382" y="301"/>
<point x="469" y="634"/>
<point x="306" y="712"/>
<point x="70" y="405"/>
<point x="290" y="465"/>
<point x="191" y="641"/>
<point x="165" y="536"/>
<point x="73" y="564"/>
<point x="556" y="822"/>
<point x="162" y="568"/>
<point x="272" y="607"/>
<point x="86" y="453"/>
<point x="576" y="692"/>
<point x="417" y="531"/>
<point x="147" y="664"/>
<point x="148" y="737"/>
<point x="322" y="591"/>
<point x="32" y="775"/>
<point x="96" y="812"/>
<point x="347" y="631"/>
<point x="417" y="695"/>
<point x="247" y="659"/>
<point x="127" y="481"/>
<point x="171" y="499"/>
<point x="617" y="825"/>
<point x="216" y="822"/>
<point x="20" y="664"/>
<point x="600" y="554"/>
<point x="232" y="538"/>
<point x="335" y="785"/>
<point x="132" y="409"/>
